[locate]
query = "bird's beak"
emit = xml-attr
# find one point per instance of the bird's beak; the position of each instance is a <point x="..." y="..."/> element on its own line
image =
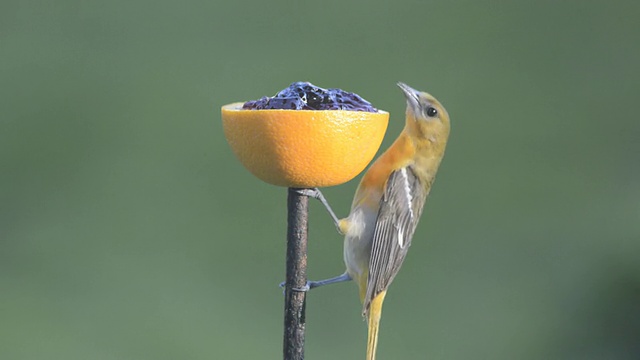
<point x="412" y="95"/>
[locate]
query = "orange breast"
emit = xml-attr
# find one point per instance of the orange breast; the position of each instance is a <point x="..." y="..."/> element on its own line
<point x="399" y="155"/>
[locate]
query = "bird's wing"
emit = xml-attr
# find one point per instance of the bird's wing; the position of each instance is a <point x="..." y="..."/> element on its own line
<point x="400" y="210"/>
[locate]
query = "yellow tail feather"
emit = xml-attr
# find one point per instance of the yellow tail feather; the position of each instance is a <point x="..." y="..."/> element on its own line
<point x="375" y="312"/>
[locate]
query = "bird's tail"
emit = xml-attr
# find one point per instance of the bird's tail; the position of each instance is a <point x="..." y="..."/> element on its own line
<point x="375" y="312"/>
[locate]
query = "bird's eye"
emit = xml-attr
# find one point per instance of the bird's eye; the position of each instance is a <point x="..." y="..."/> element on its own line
<point x="431" y="111"/>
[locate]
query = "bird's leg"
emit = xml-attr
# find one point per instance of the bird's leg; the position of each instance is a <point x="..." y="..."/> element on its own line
<point x="334" y="280"/>
<point x="316" y="194"/>
<point x="314" y="284"/>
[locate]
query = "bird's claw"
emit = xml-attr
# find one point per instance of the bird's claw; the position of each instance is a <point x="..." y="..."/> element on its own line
<point x="314" y="193"/>
<point x="307" y="286"/>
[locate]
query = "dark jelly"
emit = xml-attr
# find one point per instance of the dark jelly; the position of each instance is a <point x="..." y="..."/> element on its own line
<point x="306" y="96"/>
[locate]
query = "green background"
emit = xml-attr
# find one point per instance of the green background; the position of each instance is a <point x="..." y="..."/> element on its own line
<point x="128" y="230"/>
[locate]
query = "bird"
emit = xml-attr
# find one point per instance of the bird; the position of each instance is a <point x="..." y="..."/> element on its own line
<point x="387" y="206"/>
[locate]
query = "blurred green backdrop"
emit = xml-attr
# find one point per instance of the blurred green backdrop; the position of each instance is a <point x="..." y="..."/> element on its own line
<point x="129" y="231"/>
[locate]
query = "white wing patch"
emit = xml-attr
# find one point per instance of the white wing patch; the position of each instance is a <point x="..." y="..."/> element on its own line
<point x="400" y="237"/>
<point x="407" y="192"/>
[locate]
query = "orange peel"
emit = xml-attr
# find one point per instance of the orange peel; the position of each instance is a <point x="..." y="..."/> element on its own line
<point x="304" y="148"/>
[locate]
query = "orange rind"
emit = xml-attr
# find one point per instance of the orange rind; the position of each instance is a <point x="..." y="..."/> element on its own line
<point x="304" y="148"/>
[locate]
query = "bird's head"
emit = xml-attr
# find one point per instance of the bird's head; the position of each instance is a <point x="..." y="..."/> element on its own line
<point x="427" y="120"/>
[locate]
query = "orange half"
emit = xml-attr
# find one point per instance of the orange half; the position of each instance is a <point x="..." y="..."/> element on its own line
<point x="304" y="148"/>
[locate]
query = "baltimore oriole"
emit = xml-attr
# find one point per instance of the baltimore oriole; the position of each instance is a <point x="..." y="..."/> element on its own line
<point x="388" y="204"/>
